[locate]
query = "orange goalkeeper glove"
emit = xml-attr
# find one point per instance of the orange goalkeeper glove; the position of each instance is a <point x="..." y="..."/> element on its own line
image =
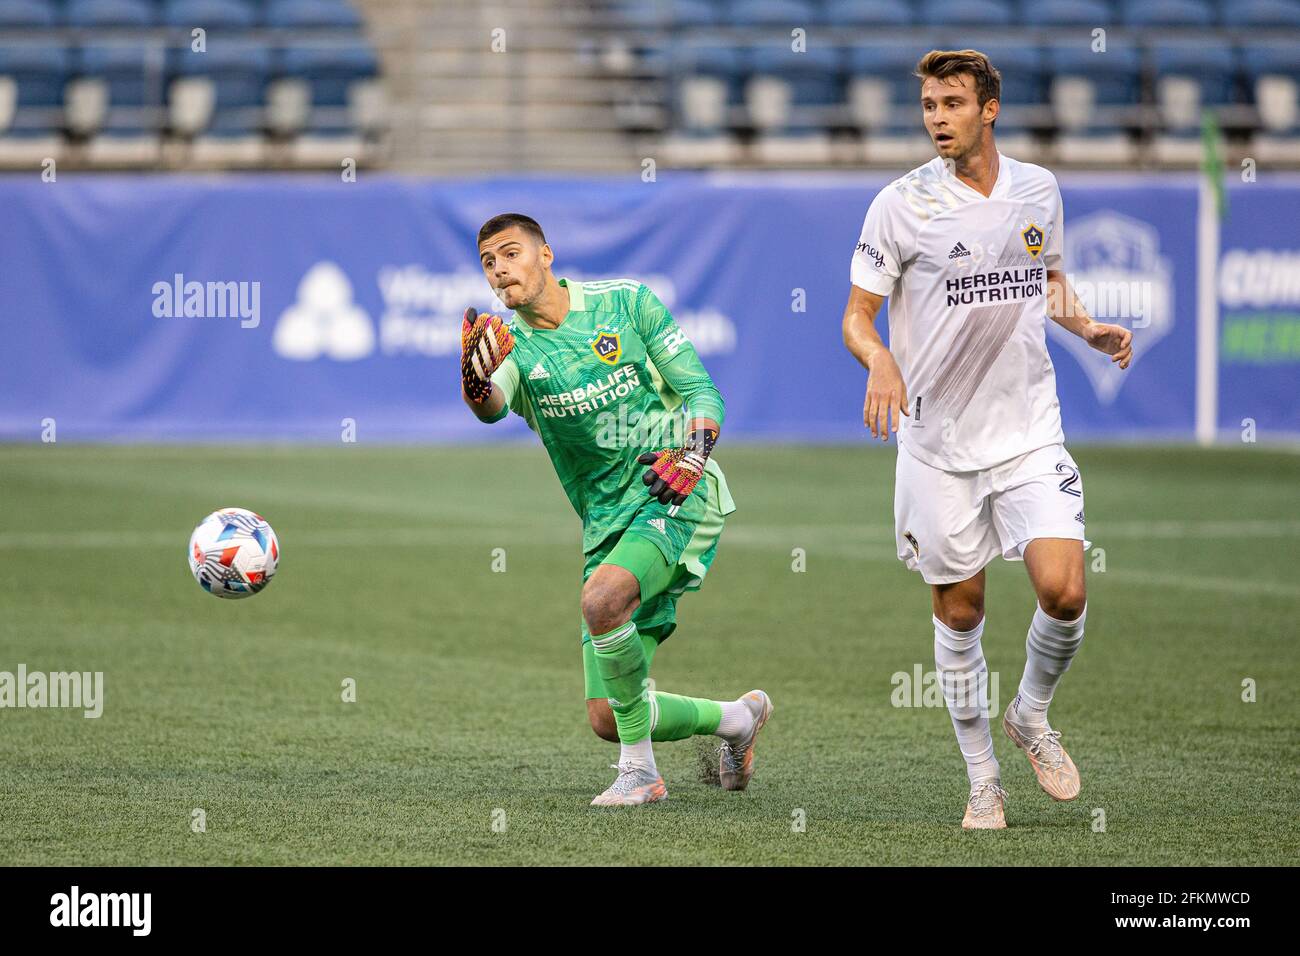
<point x="485" y="341"/>
<point x="674" y="472"/>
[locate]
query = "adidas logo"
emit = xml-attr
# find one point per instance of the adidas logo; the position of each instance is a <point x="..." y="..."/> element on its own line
<point x="958" y="251"/>
<point x="1079" y="517"/>
<point x="538" y="372"/>
<point x="657" y="524"/>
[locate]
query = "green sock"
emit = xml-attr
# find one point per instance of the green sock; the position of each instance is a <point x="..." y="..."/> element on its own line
<point x="676" y="718"/>
<point x="621" y="661"/>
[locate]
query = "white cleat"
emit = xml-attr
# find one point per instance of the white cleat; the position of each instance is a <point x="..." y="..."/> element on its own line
<point x="736" y="759"/>
<point x="986" y="808"/>
<point x="632" y="787"/>
<point x="1056" y="772"/>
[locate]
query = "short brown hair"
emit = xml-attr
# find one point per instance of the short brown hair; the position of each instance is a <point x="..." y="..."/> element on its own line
<point x="507" y="220"/>
<point x="942" y="64"/>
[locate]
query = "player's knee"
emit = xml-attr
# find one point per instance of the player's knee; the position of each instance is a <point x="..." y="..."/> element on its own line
<point x="1063" y="600"/>
<point x="963" y="616"/>
<point x="604" y="607"/>
<point x="602" y="719"/>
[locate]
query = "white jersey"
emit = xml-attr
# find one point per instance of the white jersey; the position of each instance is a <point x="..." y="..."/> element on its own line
<point x="966" y="277"/>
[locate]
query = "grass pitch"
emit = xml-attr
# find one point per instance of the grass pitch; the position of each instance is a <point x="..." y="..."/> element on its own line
<point x="468" y="742"/>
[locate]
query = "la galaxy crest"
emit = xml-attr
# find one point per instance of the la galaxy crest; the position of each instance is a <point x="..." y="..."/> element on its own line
<point x="607" y="346"/>
<point x="1033" y="239"/>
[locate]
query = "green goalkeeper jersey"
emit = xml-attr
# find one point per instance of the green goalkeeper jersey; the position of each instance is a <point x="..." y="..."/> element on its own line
<point x="617" y="378"/>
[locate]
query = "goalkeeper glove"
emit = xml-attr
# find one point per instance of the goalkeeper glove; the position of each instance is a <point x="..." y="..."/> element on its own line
<point x="484" y="344"/>
<point x="674" y="472"/>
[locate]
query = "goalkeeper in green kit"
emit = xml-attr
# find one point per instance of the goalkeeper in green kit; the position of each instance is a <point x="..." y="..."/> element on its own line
<point x="603" y="374"/>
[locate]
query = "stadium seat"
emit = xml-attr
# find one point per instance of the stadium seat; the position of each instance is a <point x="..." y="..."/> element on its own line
<point x="979" y="13"/>
<point x="1189" y="75"/>
<point x="1067" y="13"/>
<point x="790" y="98"/>
<point x="312" y="13"/>
<point x="25" y="14"/>
<point x="1166" y="13"/>
<point x="693" y="13"/>
<point x="116" y="101"/>
<point x="707" y="89"/>
<point x="32" y="77"/>
<point x="885" y="102"/>
<point x="1273" y="72"/>
<point x="331" y="74"/>
<point x="337" y="85"/>
<point x="216" y="99"/>
<point x="1255" y="14"/>
<point x="111" y="13"/>
<point x="1094" y="96"/>
<point x="868" y="13"/>
<point x="785" y="14"/>
<point x="1024" y="95"/>
<point x="210" y="14"/>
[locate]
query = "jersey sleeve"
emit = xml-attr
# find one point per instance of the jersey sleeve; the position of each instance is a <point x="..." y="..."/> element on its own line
<point x="506" y="378"/>
<point x="878" y="259"/>
<point x="1053" y="257"/>
<point x="674" y="356"/>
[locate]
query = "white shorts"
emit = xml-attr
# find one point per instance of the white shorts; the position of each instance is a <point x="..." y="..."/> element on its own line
<point x="950" y="524"/>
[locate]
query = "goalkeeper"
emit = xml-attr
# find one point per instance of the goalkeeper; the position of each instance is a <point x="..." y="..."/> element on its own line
<point x="603" y="374"/>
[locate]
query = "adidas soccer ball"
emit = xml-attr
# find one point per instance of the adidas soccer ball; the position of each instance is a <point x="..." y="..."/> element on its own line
<point x="233" y="553"/>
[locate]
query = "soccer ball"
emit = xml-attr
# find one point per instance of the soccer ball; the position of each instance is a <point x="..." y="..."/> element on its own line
<point x="233" y="553"/>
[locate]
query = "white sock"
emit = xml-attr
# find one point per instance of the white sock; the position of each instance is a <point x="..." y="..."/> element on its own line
<point x="963" y="675"/>
<point x="736" y="719"/>
<point x="1049" y="648"/>
<point x="639" y="754"/>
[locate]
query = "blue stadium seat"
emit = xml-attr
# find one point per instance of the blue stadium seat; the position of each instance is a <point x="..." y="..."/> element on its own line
<point x="944" y="13"/>
<point x="1167" y="13"/>
<point x="786" y="14"/>
<point x="813" y="79"/>
<point x="891" y="65"/>
<point x="134" y="90"/>
<point x="210" y="14"/>
<point x="868" y="13"/>
<point x="24" y="14"/>
<point x="1111" y="81"/>
<point x="1024" y="84"/>
<point x="312" y="13"/>
<point x="40" y="71"/>
<point x="239" y="71"/>
<point x="329" y="72"/>
<point x="1211" y="63"/>
<point x="1067" y="13"/>
<point x="1262" y="14"/>
<point x="1262" y="58"/>
<point x="708" y="84"/>
<point x="694" y="13"/>
<point x="111" y="13"/>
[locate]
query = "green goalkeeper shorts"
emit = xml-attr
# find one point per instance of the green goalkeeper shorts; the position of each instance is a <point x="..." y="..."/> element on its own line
<point x="668" y="556"/>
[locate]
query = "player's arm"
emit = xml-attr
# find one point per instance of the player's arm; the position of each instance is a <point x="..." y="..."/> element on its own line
<point x="886" y="391"/>
<point x="1065" y="309"/>
<point x="486" y="382"/>
<point x="673" y="473"/>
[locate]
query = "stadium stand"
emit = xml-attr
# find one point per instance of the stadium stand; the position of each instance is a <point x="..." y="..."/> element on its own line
<point x="418" y="84"/>
<point x="188" y="83"/>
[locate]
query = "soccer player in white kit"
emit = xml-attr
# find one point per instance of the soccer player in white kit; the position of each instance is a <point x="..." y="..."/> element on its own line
<point x="968" y="250"/>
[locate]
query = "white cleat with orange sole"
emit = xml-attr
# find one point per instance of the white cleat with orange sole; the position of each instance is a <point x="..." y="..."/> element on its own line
<point x="986" y="807"/>
<point x="632" y="787"/>
<point x="736" y="759"/>
<point x="1056" y="772"/>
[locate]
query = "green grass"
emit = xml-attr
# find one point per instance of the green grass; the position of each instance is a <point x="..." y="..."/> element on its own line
<point x="469" y="682"/>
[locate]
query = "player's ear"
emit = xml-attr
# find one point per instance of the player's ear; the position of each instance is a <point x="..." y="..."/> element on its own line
<point x="547" y="255"/>
<point x="991" y="110"/>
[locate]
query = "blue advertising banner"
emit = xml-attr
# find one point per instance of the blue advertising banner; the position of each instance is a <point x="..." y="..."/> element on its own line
<point x="181" y="308"/>
<point x="1259" y="311"/>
